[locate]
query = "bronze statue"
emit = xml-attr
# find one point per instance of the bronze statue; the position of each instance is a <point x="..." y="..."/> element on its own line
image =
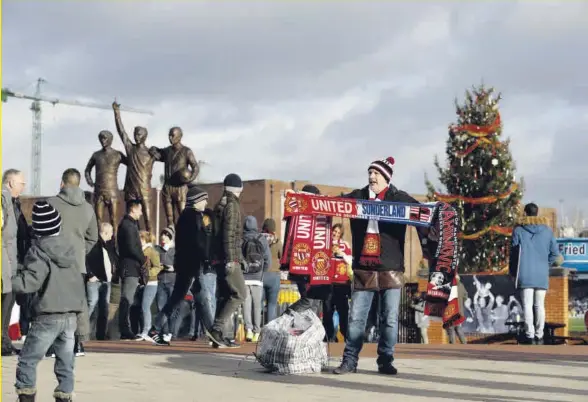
<point x="181" y="168"/>
<point x="140" y="161"/>
<point x="106" y="161"/>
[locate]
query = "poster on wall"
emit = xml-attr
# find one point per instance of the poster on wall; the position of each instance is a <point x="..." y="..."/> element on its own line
<point x="492" y="302"/>
<point x="578" y="305"/>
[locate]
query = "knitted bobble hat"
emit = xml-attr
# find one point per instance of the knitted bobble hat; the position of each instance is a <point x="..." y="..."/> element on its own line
<point x="384" y="167"/>
<point x="195" y="195"/>
<point x="46" y="219"/>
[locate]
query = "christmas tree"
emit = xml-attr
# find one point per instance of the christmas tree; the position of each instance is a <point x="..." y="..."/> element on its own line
<point x="480" y="182"/>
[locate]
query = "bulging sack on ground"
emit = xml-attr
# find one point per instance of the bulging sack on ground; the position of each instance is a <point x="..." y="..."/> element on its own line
<point x="293" y="344"/>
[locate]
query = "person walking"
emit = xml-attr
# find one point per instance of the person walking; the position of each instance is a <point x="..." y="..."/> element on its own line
<point x="228" y="259"/>
<point x="193" y="241"/>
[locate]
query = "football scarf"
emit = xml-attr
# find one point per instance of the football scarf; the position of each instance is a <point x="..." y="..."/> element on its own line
<point x="310" y="220"/>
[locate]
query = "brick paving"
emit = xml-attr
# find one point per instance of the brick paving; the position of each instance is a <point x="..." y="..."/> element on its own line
<point x="189" y="371"/>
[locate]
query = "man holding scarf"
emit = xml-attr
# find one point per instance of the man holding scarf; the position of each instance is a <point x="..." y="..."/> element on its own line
<point x="378" y="266"/>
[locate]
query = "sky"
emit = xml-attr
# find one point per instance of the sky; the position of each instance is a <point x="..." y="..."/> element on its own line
<point x="303" y="90"/>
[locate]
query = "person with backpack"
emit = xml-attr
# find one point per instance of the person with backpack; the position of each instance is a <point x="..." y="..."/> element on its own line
<point x="257" y="256"/>
<point x="194" y="231"/>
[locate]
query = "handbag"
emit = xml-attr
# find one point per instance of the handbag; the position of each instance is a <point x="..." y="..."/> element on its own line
<point x="144" y="272"/>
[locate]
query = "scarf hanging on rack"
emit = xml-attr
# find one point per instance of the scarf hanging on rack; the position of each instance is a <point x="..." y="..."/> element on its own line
<point x="303" y="250"/>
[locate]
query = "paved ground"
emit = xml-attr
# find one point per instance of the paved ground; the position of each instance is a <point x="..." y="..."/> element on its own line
<point x="137" y="372"/>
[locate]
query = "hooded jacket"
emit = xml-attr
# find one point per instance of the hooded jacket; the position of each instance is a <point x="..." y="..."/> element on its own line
<point x="50" y="268"/>
<point x="79" y="223"/>
<point x="533" y="251"/>
<point x="250" y="232"/>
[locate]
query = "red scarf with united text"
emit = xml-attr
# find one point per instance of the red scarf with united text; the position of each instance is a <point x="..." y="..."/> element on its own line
<point x="370" y="253"/>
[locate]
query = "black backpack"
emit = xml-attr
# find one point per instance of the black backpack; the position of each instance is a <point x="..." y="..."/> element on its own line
<point x="254" y="252"/>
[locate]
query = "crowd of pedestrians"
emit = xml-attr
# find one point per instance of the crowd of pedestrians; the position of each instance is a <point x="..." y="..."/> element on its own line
<point x="207" y="266"/>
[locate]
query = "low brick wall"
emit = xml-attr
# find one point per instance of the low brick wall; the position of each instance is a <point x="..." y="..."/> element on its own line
<point x="556" y="306"/>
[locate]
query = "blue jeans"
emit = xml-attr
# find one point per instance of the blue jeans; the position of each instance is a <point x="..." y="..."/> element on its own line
<point x="361" y="302"/>
<point x="46" y="330"/>
<point x="205" y="296"/>
<point x="149" y="293"/>
<point x="98" y="296"/>
<point x="165" y="288"/>
<point x="271" y="288"/>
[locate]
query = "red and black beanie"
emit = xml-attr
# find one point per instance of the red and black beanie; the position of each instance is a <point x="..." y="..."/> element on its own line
<point x="384" y="167"/>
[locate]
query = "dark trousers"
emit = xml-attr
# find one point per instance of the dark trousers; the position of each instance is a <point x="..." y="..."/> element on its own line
<point x="311" y="297"/>
<point x="127" y="297"/>
<point x="338" y="301"/>
<point x="7" y="304"/>
<point x="26" y="311"/>
<point x="231" y="291"/>
<point x="182" y="282"/>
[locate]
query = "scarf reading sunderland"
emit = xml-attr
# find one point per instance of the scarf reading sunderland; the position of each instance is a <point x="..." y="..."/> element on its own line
<point x="307" y="247"/>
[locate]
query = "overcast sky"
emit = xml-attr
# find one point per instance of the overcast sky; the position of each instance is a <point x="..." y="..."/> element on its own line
<point x="303" y="90"/>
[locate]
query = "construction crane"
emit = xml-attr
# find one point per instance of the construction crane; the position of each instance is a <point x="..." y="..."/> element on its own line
<point x="37" y="137"/>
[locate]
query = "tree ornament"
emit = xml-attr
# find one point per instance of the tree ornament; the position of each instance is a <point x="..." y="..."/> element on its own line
<point x="494" y="162"/>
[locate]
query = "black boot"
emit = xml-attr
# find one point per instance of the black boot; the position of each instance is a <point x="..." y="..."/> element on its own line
<point x="345" y="368"/>
<point x="387" y="368"/>
<point x="62" y="400"/>
<point x="26" y="398"/>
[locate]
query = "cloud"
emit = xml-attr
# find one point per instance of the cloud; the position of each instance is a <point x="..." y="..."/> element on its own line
<point x="310" y="90"/>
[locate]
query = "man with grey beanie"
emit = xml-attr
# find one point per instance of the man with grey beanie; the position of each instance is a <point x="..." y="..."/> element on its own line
<point x="228" y="257"/>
